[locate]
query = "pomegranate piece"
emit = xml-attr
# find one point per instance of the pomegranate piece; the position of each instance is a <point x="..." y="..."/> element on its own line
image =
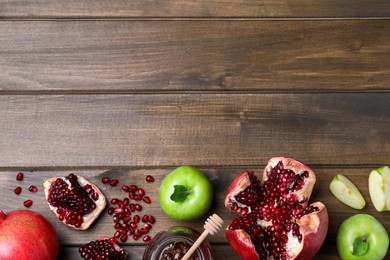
<point x="74" y="200"/>
<point x="104" y="248"/>
<point x="276" y="220"/>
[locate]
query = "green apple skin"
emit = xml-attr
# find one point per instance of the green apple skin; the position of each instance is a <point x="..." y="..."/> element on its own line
<point x="198" y="201"/>
<point x="364" y="226"/>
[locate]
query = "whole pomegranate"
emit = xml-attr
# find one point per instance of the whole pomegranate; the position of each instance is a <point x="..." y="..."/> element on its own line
<point x="276" y="220"/>
<point x="27" y="235"/>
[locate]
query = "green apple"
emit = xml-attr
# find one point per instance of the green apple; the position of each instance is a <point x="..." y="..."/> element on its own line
<point x="344" y="190"/>
<point x="379" y="188"/>
<point x="185" y="193"/>
<point x="362" y="237"/>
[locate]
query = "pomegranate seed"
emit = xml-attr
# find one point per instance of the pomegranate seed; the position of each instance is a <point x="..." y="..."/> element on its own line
<point x="105" y="180"/>
<point x="110" y="210"/>
<point x="145" y="218"/>
<point x="133" y="187"/>
<point x="146" y="238"/>
<point x="151" y="219"/>
<point x="18" y="190"/>
<point x="126" y="201"/>
<point x="149" y="178"/>
<point x="127" y="219"/>
<point x="117" y="234"/>
<point x="146" y="199"/>
<point x="133" y="225"/>
<point x="118" y="210"/>
<point x="117" y="226"/>
<point x="125" y="188"/>
<point x="114" y="182"/>
<point x="27" y="203"/>
<point x="137" y="232"/>
<point x="144" y="230"/>
<point x="136" y="219"/>
<point x="132" y="207"/>
<point x="19" y="176"/>
<point x="138" y="207"/>
<point x="114" y="201"/>
<point x="137" y="197"/>
<point x="121" y="205"/>
<point x="141" y="191"/>
<point x="135" y="237"/>
<point x="147" y="226"/>
<point x="32" y="188"/>
<point x="123" y="238"/>
<point x="131" y="195"/>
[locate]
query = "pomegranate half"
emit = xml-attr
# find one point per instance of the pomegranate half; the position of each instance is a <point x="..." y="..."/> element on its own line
<point x="27" y="235"/>
<point x="74" y="200"/>
<point x="276" y="219"/>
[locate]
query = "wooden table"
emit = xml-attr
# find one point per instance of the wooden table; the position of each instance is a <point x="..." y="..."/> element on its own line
<point x="129" y="88"/>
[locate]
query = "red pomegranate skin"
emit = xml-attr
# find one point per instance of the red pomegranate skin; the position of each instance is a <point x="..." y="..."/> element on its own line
<point x="27" y="235"/>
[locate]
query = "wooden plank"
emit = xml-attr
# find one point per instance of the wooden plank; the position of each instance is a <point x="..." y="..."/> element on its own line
<point x="67" y="55"/>
<point x="196" y="129"/>
<point x="220" y="252"/>
<point x="186" y="8"/>
<point x="220" y="179"/>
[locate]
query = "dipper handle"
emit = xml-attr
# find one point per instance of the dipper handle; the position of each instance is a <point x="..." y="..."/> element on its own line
<point x="212" y="225"/>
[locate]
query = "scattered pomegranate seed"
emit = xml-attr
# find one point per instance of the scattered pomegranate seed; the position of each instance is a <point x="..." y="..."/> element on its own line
<point x="141" y="191"/>
<point x="149" y="178"/>
<point x="19" y="176"/>
<point x="133" y="187"/>
<point x="27" y="203"/>
<point x="105" y="180"/>
<point x="114" y="182"/>
<point x="146" y="238"/>
<point x="18" y="190"/>
<point x="32" y="188"/>
<point x="146" y="199"/>
<point x="114" y="201"/>
<point x="125" y="224"/>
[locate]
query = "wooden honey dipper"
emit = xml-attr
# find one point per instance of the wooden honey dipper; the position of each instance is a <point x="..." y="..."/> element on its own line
<point x="212" y="225"/>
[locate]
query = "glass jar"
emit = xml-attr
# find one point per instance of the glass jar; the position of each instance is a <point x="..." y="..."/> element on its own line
<point x="174" y="242"/>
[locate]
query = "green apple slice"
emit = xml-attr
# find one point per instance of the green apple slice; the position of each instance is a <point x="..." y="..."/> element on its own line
<point x="379" y="188"/>
<point x="345" y="191"/>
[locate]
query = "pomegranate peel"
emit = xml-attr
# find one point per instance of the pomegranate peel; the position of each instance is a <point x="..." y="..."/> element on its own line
<point x="276" y="219"/>
<point x="66" y="208"/>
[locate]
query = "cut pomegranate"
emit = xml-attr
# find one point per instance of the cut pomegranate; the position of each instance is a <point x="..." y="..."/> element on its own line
<point x="74" y="200"/>
<point x="276" y="221"/>
<point x="104" y="248"/>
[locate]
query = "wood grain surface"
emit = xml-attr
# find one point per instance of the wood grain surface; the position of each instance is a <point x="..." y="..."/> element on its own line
<point x="196" y="129"/>
<point x="196" y="9"/>
<point x="128" y="56"/>
<point x="129" y="88"/>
